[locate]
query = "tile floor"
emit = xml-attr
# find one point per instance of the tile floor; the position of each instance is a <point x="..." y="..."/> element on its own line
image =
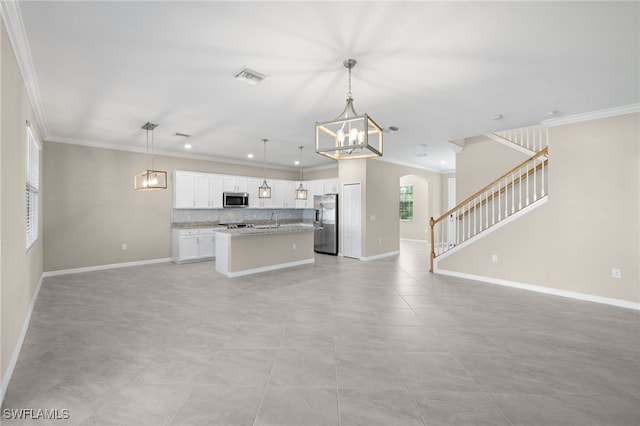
<point x="341" y="342"/>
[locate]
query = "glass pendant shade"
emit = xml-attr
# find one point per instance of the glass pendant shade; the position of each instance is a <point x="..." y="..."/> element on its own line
<point x="150" y="180"/>
<point x="301" y="193"/>
<point x="264" y="190"/>
<point x="350" y="135"/>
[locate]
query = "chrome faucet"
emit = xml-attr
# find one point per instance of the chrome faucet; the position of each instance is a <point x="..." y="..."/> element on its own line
<point x="276" y="214"/>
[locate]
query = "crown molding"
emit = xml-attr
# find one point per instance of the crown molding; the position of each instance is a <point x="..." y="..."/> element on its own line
<point x="189" y="155"/>
<point x="413" y="166"/>
<point x="12" y="18"/>
<point x="594" y="115"/>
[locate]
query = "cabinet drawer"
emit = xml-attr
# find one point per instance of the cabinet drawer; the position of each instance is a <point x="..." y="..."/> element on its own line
<point x="187" y="232"/>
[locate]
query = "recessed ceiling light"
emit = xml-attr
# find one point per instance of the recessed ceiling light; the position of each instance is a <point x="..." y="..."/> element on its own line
<point x="187" y="146"/>
<point x="443" y="162"/>
<point x="495" y="117"/>
<point x="250" y="155"/>
<point x="296" y="162"/>
<point x="249" y="76"/>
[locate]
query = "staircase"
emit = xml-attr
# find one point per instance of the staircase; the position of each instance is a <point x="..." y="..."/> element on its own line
<point x="519" y="190"/>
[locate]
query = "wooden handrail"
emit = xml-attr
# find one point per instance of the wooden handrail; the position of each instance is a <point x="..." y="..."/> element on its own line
<point x="544" y="151"/>
<point x="501" y="190"/>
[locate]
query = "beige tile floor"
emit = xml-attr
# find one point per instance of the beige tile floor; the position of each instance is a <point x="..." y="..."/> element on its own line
<point x="340" y="342"/>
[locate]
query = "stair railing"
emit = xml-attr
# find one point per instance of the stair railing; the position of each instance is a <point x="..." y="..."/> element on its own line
<point x="513" y="191"/>
<point x="534" y="138"/>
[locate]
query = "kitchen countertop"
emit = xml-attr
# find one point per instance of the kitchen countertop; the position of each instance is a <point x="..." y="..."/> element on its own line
<point x="282" y="229"/>
<point x="195" y="225"/>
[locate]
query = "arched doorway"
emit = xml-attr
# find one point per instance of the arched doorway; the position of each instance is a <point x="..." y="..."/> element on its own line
<point x="414" y="208"/>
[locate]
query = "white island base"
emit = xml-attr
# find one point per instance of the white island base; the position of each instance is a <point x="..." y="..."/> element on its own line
<point x="249" y="251"/>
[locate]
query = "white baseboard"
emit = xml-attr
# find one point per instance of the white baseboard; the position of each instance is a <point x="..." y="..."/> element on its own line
<point x="16" y="351"/>
<point x="380" y="256"/>
<point x="102" y="267"/>
<point x="542" y="289"/>
<point x="267" y="268"/>
<point x="413" y="240"/>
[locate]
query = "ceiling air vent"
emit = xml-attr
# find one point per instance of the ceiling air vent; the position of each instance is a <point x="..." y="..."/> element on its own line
<point x="249" y="76"/>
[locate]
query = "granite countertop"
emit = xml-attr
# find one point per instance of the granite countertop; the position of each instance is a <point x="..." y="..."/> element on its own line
<point x="195" y="225"/>
<point x="282" y="229"/>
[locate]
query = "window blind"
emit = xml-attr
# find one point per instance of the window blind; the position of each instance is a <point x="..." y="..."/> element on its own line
<point x="32" y="187"/>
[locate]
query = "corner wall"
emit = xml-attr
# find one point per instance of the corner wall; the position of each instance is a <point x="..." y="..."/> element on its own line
<point x="590" y="224"/>
<point x="20" y="271"/>
<point x="380" y="201"/>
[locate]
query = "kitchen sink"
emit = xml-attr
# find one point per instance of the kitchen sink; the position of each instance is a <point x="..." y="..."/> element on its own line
<point x="266" y="226"/>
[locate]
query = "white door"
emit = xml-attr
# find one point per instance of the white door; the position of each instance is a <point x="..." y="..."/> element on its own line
<point x="351" y="220"/>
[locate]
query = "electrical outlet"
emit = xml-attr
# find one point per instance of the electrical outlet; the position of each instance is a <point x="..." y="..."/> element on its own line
<point x="616" y="273"/>
<point x="494" y="258"/>
<point x="294" y="247"/>
<point x="372" y="218"/>
<point x="379" y="240"/>
<point x="124" y="246"/>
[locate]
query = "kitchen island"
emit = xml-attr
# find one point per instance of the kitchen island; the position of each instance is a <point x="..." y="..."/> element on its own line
<point x="245" y="251"/>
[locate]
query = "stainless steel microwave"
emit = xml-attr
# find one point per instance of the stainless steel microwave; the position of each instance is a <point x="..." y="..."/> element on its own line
<point x="235" y="199"/>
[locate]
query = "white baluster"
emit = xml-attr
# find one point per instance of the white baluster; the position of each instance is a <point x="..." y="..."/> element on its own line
<point x="535" y="180"/>
<point x="499" y="207"/>
<point x="542" y="169"/>
<point x="520" y="190"/>
<point x="486" y="212"/>
<point x="468" y="221"/>
<point x="493" y="206"/>
<point x="513" y="198"/>
<point x="526" y="171"/>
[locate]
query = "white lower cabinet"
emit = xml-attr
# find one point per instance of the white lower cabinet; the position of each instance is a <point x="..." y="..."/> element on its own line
<point x="191" y="245"/>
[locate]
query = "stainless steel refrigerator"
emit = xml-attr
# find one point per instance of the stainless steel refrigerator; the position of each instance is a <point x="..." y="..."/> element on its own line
<point x="325" y="223"/>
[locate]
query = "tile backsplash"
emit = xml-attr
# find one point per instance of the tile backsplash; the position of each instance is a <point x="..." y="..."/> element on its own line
<point x="239" y="215"/>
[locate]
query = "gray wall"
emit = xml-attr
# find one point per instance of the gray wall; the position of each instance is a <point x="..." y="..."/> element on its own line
<point x="20" y="271"/>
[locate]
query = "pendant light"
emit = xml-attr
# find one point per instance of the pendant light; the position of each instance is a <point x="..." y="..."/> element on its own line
<point x="301" y="192"/>
<point x="350" y="135"/>
<point x="150" y="179"/>
<point x="264" y="190"/>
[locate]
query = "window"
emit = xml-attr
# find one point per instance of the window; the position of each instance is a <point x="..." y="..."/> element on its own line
<point x="406" y="202"/>
<point x="32" y="187"/>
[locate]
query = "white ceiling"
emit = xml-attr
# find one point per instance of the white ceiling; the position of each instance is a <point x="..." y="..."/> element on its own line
<point x="437" y="70"/>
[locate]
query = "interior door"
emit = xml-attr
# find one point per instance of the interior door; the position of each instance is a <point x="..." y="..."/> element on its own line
<point x="351" y="220"/>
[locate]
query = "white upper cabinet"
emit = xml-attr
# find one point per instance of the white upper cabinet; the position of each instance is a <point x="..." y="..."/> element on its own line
<point x="195" y="190"/>
<point x="330" y="186"/>
<point x="283" y="194"/>
<point x="235" y="184"/>
<point x="215" y="191"/>
<point x="203" y="191"/>
<point x="184" y="184"/>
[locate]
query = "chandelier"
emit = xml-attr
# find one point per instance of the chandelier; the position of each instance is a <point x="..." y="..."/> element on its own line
<point x="350" y="135"/>
<point x="150" y="179"/>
